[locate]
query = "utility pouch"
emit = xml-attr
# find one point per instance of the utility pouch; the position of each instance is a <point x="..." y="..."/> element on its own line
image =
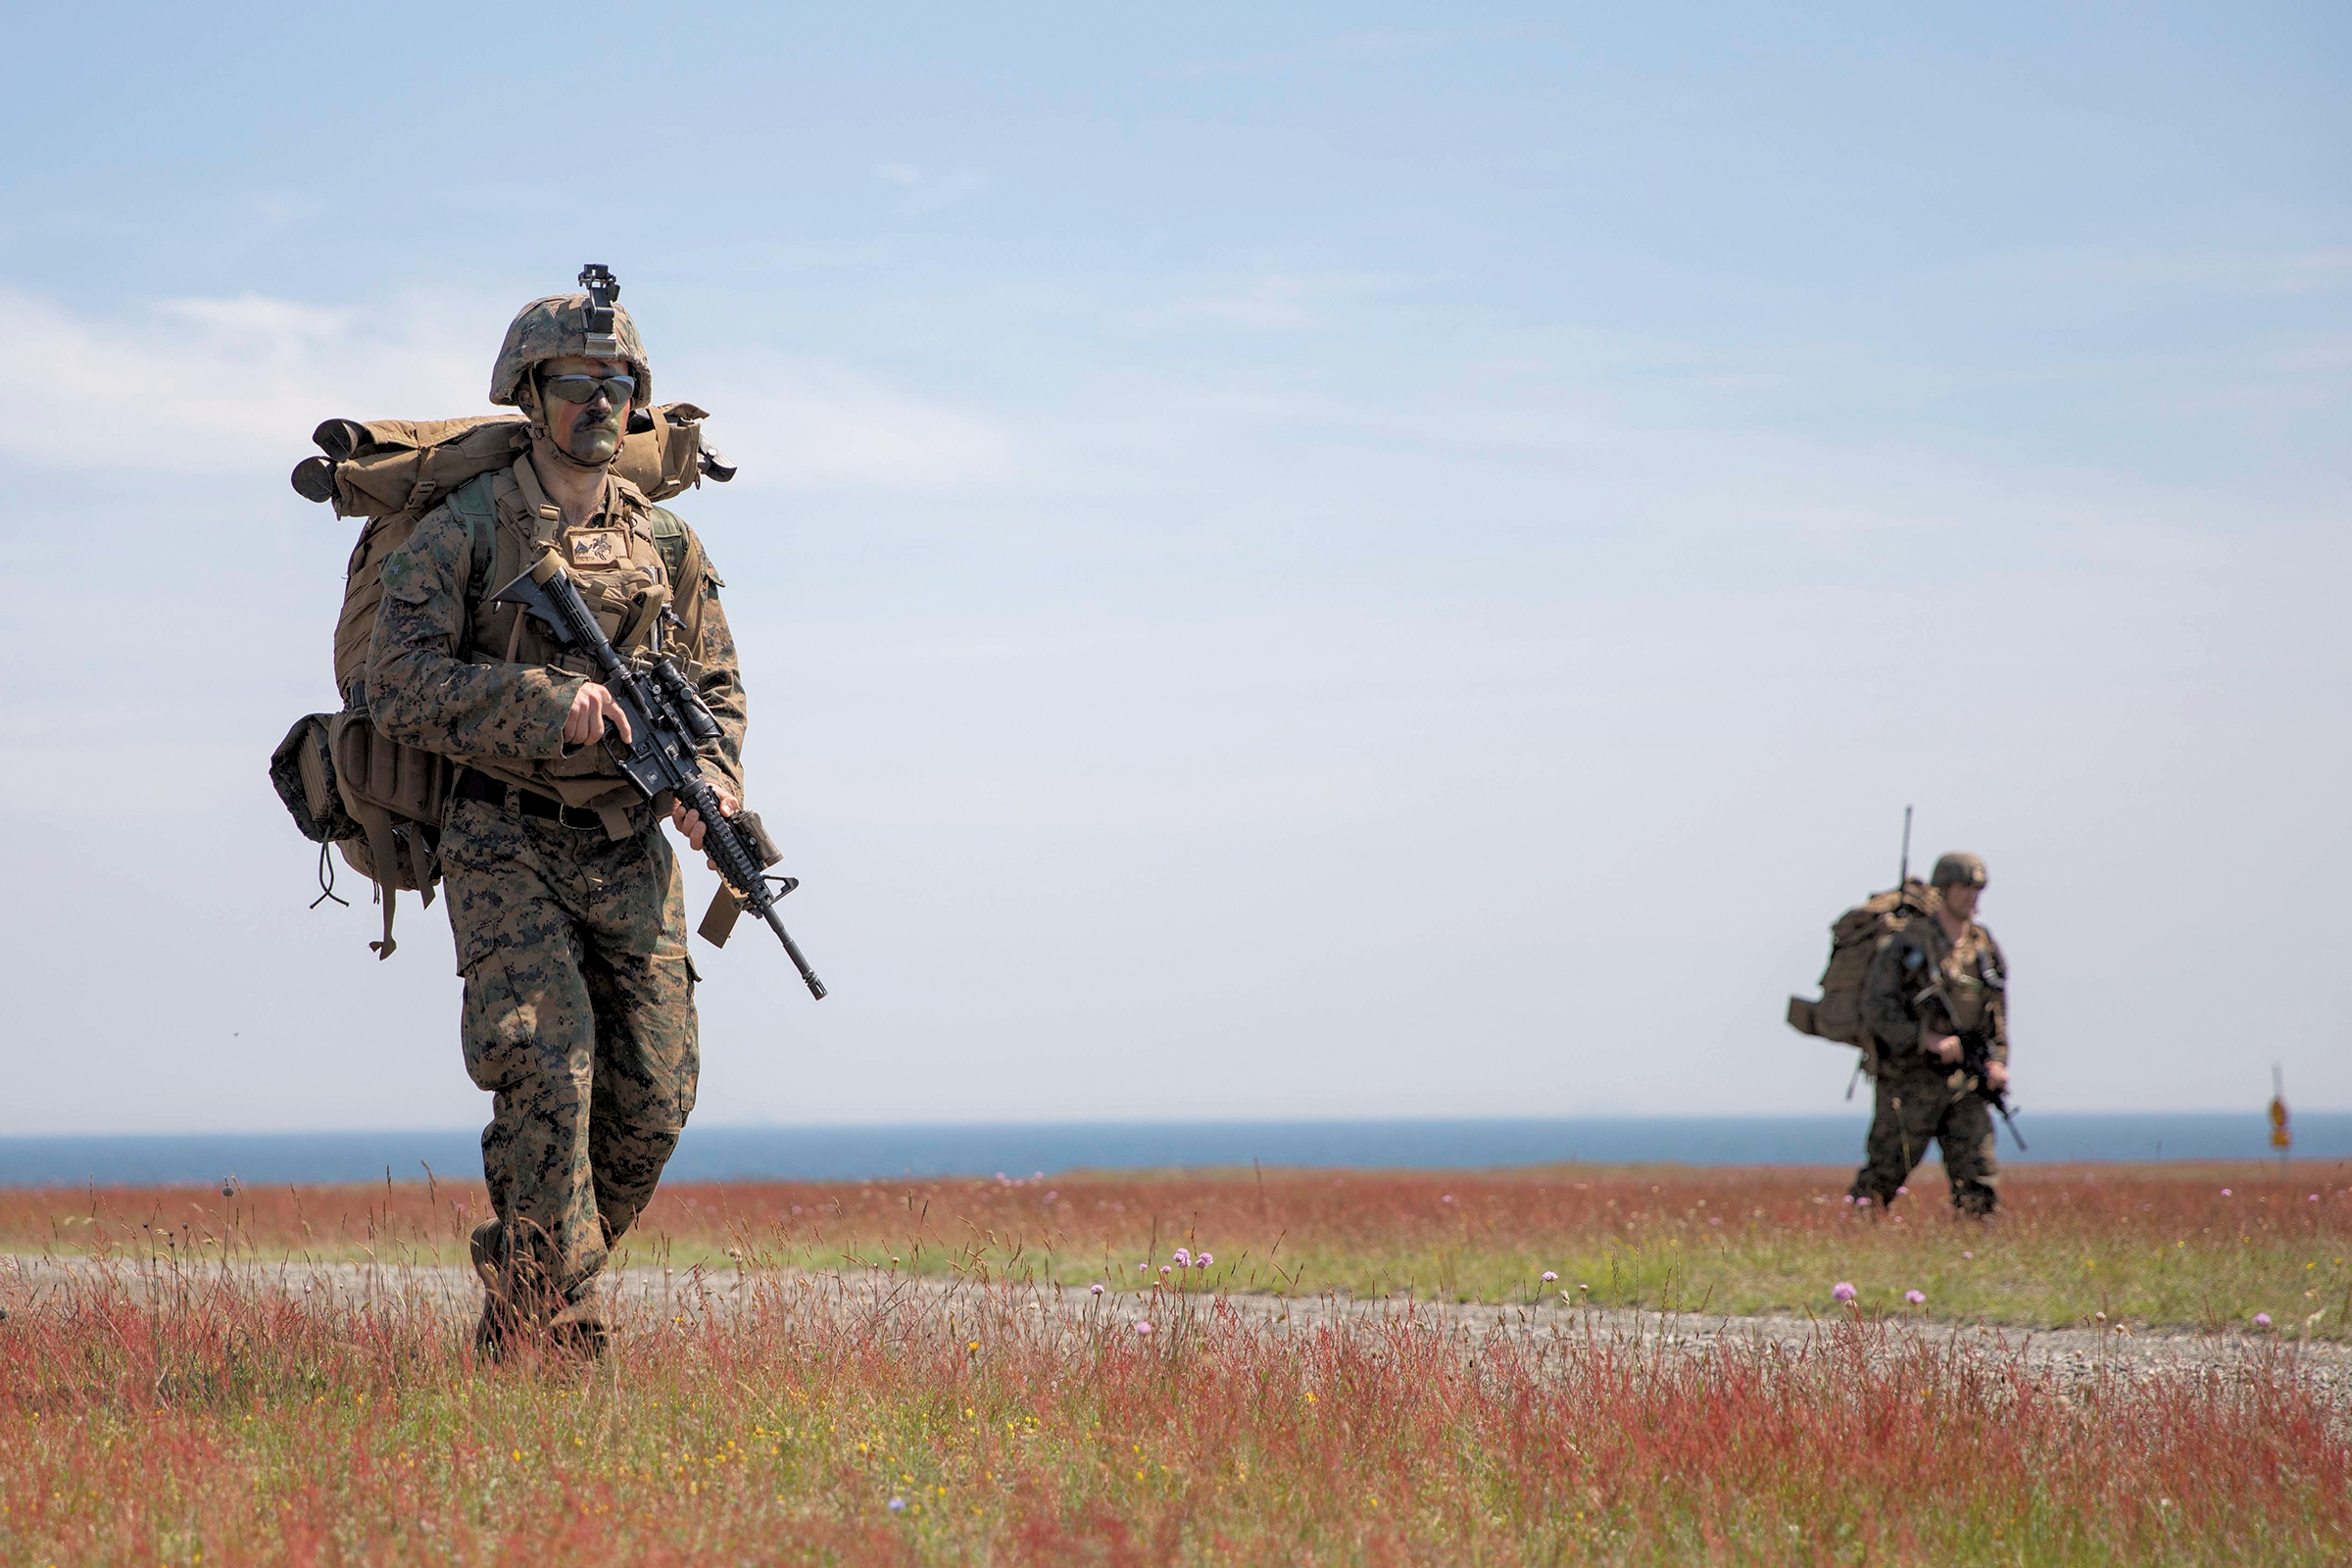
<point x="395" y="795"/>
<point x="303" y="773"/>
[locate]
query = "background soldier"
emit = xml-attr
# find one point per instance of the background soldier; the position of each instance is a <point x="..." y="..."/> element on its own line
<point x="1935" y="981"/>
<point x="567" y="904"/>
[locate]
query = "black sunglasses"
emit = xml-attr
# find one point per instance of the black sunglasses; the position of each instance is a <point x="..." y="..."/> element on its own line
<point x="618" y="389"/>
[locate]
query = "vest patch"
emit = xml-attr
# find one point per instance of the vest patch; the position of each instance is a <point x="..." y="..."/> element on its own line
<point x="599" y="547"/>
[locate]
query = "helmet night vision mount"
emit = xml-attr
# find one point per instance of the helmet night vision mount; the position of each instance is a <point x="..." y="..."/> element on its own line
<point x="602" y="290"/>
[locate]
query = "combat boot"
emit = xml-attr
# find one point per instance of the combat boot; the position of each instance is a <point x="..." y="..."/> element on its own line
<point x="498" y="1330"/>
<point x="483" y="1244"/>
<point x="580" y="1327"/>
<point x="500" y="1326"/>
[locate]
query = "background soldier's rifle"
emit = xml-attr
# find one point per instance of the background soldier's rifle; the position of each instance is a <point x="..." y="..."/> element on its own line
<point x="667" y="721"/>
<point x="1976" y="1049"/>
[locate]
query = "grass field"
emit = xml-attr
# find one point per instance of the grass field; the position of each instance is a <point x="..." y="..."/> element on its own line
<point x="218" y="1425"/>
<point x="2163" y="1246"/>
<point x="219" y="1422"/>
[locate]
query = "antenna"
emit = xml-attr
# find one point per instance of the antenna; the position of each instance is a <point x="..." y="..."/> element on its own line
<point x="1902" y="878"/>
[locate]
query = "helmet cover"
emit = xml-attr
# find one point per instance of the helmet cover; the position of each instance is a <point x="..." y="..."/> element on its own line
<point x="558" y="328"/>
<point x="1958" y="869"/>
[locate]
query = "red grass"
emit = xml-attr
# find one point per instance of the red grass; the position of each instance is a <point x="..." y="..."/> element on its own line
<point x="243" y="1426"/>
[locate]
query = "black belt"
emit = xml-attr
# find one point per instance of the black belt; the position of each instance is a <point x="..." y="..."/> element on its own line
<point x="473" y="786"/>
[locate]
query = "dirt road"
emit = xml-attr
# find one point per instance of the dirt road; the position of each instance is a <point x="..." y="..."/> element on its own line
<point x="643" y="1298"/>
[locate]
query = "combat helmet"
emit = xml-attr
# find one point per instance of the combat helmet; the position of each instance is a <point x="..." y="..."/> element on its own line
<point x="1960" y="870"/>
<point x="585" y="325"/>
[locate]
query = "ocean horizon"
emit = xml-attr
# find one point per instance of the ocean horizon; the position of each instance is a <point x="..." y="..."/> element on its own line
<point x="721" y="1152"/>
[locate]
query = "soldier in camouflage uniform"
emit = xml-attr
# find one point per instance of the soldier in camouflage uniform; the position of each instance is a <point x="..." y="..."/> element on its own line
<point x="565" y="898"/>
<point x="1923" y="1093"/>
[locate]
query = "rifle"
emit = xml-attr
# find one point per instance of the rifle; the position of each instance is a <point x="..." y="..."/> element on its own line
<point x="667" y="721"/>
<point x="1975" y="1051"/>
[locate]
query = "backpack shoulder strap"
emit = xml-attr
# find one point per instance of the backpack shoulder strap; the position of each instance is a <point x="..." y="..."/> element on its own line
<point x="470" y="505"/>
<point x="671" y="537"/>
<point x="689" y="569"/>
<point x="473" y="504"/>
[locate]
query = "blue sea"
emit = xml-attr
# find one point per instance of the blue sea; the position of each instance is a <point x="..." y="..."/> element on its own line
<point x="731" y="1153"/>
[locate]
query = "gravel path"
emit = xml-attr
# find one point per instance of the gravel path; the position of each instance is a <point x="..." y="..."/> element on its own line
<point x="645" y="1295"/>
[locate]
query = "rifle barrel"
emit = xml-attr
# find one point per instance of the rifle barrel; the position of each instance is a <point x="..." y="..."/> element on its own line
<point x="817" y="987"/>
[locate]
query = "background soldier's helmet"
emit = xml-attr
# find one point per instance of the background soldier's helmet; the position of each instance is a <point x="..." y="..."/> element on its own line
<point x="559" y="327"/>
<point x="1957" y="869"/>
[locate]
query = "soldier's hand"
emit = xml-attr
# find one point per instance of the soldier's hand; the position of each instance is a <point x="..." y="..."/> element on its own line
<point x="1947" y="1049"/>
<point x="590" y="708"/>
<point x="690" y="822"/>
<point x="1996" y="1075"/>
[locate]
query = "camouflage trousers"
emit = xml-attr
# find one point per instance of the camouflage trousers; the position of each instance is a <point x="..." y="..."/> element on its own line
<point x="1921" y="1104"/>
<point x="579" y="1021"/>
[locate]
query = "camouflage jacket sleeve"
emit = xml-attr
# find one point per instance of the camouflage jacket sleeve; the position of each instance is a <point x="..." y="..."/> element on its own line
<point x="420" y="693"/>
<point x="721" y="688"/>
<point x="1887" y="1000"/>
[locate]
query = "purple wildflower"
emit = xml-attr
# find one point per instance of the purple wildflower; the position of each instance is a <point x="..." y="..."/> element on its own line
<point x="1842" y="1290"/>
<point x="1549" y="1276"/>
<point x="1915" y="1298"/>
<point x="1142" y="1326"/>
<point x="898" y="1506"/>
<point x="1205" y="1259"/>
<point x="2261" y="1320"/>
<point x="1094" y="1289"/>
<point x="1184" y="1257"/>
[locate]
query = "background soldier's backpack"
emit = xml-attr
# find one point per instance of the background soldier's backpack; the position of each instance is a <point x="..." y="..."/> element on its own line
<point x="376" y="800"/>
<point x="1854" y="939"/>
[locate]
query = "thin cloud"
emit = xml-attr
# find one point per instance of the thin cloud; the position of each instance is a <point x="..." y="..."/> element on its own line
<point x="235" y="387"/>
<point x="217" y="386"/>
<point x="925" y="191"/>
<point x="814" y="426"/>
<point x="1346" y="48"/>
<point x="1278" y="302"/>
<point x="2249" y="274"/>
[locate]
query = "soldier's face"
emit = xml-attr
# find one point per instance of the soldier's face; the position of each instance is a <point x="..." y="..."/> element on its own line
<point x="1961" y="899"/>
<point x="591" y="431"/>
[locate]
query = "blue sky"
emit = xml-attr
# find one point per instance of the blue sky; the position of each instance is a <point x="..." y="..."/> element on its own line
<point x="1287" y="564"/>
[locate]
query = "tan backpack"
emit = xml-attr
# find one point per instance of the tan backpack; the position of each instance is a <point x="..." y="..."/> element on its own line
<point x="376" y="800"/>
<point x="384" y="467"/>
<point x="1855" y="938"/>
